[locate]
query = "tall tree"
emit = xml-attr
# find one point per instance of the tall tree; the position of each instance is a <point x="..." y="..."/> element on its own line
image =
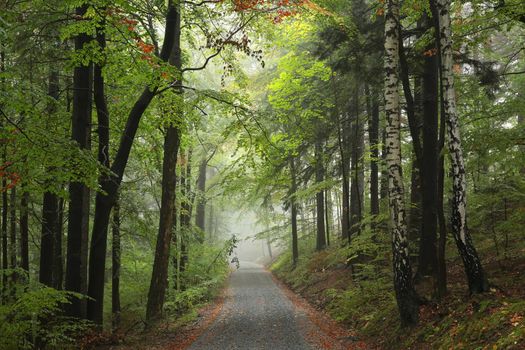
<point x="159" y="276"/>
<point x="429" y="166"/>
<point x="373" y="137"/>
<point x="345" y="178"/>
<point x="319" y="196"/>
<point x="12" y="232"/>
<point x="49" y="204"/>
<point x="356" y="169"/>
<point x="115" y="267"/>
<point x="405" y="294"/>
<point x="186" y="209"/>
<point x="78" y="191"/>
<point x="293" y="211"/>
<point x="475" y="274"/>
<point x="5" y="209"/>
<point x="201" y="202"/>
<point x="106" y="198"/>
<point x="24" y="232"/>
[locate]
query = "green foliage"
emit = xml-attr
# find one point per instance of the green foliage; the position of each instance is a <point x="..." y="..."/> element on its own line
<point x="35" y="317"/>
<point x="201" y="281"/>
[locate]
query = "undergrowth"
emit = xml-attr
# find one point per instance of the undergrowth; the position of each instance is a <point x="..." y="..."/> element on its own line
<point x="355" y="288"/>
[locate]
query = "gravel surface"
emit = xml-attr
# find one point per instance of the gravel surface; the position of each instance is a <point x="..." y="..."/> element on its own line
<point x="256" y="315"/>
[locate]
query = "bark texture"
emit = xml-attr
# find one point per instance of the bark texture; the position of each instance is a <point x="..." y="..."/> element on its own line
<point x="24" y="232"/>
<point x="475" y="274"/>
<point x="429" y="172"/>
<point x="106" y="198"/>
<point x="293" y="212"/>
<point x="345" y="185"/>
<point x="159" y="276"/>
<point x="50" y="222"/>
<point x="405" y="295"/>
<point x="373" y="136"/>
<point x="319" y="197"/>
<point x="115" y="268"/>
<point x="200" y="218"/>
<point x="356" y="169"/>
<point x="79" y="197"/>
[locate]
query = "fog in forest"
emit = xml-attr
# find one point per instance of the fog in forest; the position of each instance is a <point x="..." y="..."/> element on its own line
<point x="244" y="225"/>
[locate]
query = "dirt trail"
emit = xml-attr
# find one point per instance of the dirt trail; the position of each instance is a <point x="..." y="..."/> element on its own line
<point x="258" y="314"/>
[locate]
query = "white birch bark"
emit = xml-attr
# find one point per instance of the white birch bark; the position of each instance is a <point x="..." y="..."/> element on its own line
<point x="454" y="140"/>
<point x="405" y="294"/>
<point x="473" y="268"/>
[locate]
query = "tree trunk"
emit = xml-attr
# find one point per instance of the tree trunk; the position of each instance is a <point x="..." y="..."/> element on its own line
<point x="58" y="258"/>
<point x="4" y="199"/>
<point x="373" y="136"/>
<point x="412" y="106"/>
<point x="476" y="276"/>
<point x="115" y="268"/>
<point x="405" y="294"/>
<point x="441" y="264"/>
<point x="269" y="245"/>
<point x="383" y="184"/>
<point x="47" y="240"/>
<point x="345" y="205"/>
<point x="77" y="215"/>
<point x="177" y="239"/>
<point x="201" y="201"/>
<point x="319" y="177"/>
<point x="429" y="171"/>
<point x="293" y="211"/>
<point x="413" y="110"/>
<point x="521" y="123"/>
<point x="106" y="198"/>
<point x="209" y="221"/>
<point x="5" y="259"/>
<point x="357" y="183"/>
<point x="185" y="214"/>
<point x="12" y="234"/>
<point x="327" y="213"/>
<point x="49" y="204"/>
<point x="414" y="214"/>
<point x="159" y="276"/>
<point x="24" y="233"/>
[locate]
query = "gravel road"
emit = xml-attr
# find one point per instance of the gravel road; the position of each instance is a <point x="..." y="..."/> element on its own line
<point x="257" y="315"/>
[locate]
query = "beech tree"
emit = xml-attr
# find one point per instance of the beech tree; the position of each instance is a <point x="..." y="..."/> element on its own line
<point x="159" y="277"/>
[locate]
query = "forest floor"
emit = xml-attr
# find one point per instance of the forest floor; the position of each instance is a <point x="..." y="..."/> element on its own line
<point x="493" y="320"/>
<point x="319" y="306"/>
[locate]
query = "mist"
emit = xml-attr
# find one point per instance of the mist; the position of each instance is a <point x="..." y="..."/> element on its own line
<point x="244" y="225"/>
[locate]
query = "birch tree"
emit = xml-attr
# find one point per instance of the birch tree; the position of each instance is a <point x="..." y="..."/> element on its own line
<point x="405" y="294"/>
<point x="476" y="277"/>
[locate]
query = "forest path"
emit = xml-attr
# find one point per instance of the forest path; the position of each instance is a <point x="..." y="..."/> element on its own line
<point x="257" y="314"/>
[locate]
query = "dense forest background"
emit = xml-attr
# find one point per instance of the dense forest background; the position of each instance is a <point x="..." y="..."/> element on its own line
<point x="377" y="146"/>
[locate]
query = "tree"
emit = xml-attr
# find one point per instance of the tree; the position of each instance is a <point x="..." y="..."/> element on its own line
<point x="201" y="203"/>
<point x="475" y="275"/>
<point x="50" y="217"/>
<point x="319" y="197"/>
<point x="115" y="267"/>
<point x="293" y="211"/>
<point x="105" y="200"/>
<point x="159" y="276"/>
<point x="405" y="294"/>
<point x="78" y="213"/>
